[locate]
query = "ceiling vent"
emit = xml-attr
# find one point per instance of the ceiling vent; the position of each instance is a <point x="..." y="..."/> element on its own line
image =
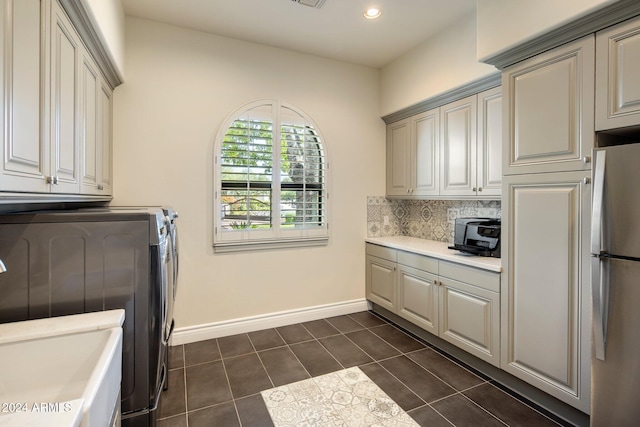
<point x="311" y="3"/>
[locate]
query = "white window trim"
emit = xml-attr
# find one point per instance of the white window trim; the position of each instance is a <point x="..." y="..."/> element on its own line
<point x="278" y="238"/>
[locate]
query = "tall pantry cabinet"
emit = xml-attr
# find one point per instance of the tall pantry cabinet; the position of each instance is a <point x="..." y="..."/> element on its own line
<point x="549" y="133"/>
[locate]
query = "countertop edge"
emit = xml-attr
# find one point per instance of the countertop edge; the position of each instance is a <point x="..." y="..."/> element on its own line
<point x="437" y="250"/>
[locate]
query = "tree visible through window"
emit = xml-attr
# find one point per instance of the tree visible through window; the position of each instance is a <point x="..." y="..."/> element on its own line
<point x="272" y="178"/>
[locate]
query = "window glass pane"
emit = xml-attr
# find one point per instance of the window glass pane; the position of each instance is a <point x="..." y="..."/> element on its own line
<point x="242" y="209"/>
<point x="246" y="153"/>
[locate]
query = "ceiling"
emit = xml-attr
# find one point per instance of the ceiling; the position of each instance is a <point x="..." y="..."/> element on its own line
<point x="337" y="30"/>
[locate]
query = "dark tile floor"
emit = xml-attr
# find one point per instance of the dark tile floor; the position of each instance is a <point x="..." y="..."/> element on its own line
<point x="217" y="382"/>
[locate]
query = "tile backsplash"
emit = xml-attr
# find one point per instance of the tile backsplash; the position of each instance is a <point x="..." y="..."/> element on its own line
<point x="426" y="219"/>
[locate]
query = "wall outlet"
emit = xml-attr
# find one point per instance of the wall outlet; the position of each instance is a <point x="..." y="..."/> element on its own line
<point x="385" y="220"/>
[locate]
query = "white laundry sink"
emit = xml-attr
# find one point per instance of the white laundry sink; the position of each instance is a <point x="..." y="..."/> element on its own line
<point x="61" y="371"/>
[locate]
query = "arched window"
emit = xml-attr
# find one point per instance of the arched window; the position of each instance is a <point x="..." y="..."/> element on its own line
<point x="270" y="172"/>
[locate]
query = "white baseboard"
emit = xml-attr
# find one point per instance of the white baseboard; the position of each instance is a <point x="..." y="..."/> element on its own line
<point x="208" y="331"/>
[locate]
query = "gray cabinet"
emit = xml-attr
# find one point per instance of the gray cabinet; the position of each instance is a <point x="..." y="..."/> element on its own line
<point x="24" y="157"/>
<point x="549" y="129"/>
<point x="56" y="105"/>
<point x="459" y="304"/>
<point x="412" y="155"/>
<point x="618" y="76"/>
<point x="453" y="151"/>
<point x="548" y="117"/>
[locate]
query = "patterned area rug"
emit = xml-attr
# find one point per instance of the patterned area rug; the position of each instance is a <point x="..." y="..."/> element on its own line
<point x="343" y="398"/>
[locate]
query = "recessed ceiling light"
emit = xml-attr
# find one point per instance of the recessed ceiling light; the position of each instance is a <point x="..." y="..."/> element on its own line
<point x="373" y="13"/>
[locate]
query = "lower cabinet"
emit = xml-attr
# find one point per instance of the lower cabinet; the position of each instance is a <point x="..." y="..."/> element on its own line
<point x="459" y="304"/>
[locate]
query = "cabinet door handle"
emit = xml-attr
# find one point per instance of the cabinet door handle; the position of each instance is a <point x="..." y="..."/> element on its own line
<point x="474" y="189"/>
<point x="586" y="159"/>
<point x="479" y="188"/>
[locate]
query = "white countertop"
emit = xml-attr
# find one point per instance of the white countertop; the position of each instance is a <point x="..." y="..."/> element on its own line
<point x="438" y="250"/>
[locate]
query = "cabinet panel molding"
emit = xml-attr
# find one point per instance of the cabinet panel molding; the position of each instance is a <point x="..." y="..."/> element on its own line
<point x="549" y="104"/>
<point x="618" y="76"/>
<point x="545" y="288"/>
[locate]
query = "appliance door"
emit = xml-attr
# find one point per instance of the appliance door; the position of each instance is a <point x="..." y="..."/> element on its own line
<point x="616" y="207"/>
<point x="615" y="382"/>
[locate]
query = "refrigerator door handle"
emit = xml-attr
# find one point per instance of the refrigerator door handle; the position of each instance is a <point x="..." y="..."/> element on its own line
<point x="599" y="293"/>
<point x="598" y="201"/>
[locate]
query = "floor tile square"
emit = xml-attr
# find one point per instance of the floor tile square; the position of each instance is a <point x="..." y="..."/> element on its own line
<point x="201" y="352"/>
<point x="455" y="375"/>
<point x="397" y="338"/>
<point x="506" y="408"/>
<point x="462" y="412"/>
<point x="207" y="385"/>
<point x="345" y="351"/>
<point x="176" y="357"/>
<point x="421" y="382"/>
<point x="294" y="333"/>
<point x="246" y="375"/>
<point x="266" y="339"/>
<point x="373" y="345"/>
<point x="367" y="319"/>
<point x="235" y="345"/>
<point x="399" y="392"/>
<point x="253" y="412"/>
<point x="344" y="324"/>
<point x="282" y="366"/>
<point x="172" y="401"/>
<point x="315" y="359"/>
<point x="223" y="414"/>
<point x="320" y="328"/>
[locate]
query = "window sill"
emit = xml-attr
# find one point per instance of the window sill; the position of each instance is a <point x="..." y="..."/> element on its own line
<point x="246" y="246"/>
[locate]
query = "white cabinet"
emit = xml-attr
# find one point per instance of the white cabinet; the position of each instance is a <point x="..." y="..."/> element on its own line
<point x="412" y="155"/>
<point x="618" y="76"/>
<point x="458" y="141"/>
<point x="453" y="151"/>
<point x="548" y="117"/>
<point x="65" y="129"/>
<point x="470" y="310"/>
<point x="95" y="130"/>
<point x="489" y="143"/>
<point x="56" y="105"/>
<point x="380" y="276"/>
<point x="418" y="292"/>
<point x="545" y="292"/>
<point x="459" y="304"/>
<point x="24" y="155"/>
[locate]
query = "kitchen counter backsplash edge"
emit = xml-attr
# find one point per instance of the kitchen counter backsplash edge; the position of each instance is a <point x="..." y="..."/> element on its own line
<point x="439" y="250"/>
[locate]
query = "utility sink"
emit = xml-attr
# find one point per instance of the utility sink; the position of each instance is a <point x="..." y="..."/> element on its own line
<point x="62" y="371"/>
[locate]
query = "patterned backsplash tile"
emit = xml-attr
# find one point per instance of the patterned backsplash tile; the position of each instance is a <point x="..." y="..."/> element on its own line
<point x="426" y="219"/>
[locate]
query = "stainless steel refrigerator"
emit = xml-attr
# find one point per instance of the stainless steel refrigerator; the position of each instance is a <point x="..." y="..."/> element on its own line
<point x="615" y="250"/>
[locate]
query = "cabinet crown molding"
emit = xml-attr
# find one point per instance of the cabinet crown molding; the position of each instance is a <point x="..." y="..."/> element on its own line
<point x="460" y="92"/>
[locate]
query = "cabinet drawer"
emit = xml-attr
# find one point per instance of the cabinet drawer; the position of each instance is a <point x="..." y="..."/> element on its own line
<point x="480" y="278"/>
<point x="420" y="262"/>
<point x="382" y="252"/>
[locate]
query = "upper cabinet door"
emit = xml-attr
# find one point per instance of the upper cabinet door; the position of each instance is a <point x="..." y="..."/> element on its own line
<point x="458" y="149"/>
<point x="23" y="155"/>
<point x="425" y="141"/>
<point x="489" y="163"/>
<point x="618" y="76"/>
<point x="398" y="158"/>
<point x="548" y="115"/>
<point x="65" y="60"/>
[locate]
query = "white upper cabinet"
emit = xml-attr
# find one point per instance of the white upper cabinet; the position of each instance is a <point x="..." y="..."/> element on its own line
<point x="24" y="155"/>
<point x="618" y="76"/>
<point x="65" y="79"/>
<point x="412" y="155"/>
<point x="453" y="151"/>
<point x="458" y="141"/>
<point x="398" y="157"/>
<point x="549" y="102"/>
<point x="489" y="143"/>
<point x="56" y="105"/>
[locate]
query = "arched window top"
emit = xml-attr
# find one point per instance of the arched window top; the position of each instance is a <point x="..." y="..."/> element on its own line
<point x="270" y="172"/>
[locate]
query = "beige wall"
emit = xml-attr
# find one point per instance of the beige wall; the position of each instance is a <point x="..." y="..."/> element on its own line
<point x="180" y="86"/>
<point x="107" y="16"/>
<point x="436" y="66"/>
<point x="503" y="24"/>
